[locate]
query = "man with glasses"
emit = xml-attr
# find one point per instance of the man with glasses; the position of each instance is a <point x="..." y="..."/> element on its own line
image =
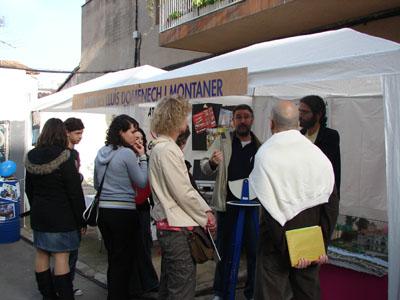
<point x="312" y="117"/>
<point x="231" y="156"/>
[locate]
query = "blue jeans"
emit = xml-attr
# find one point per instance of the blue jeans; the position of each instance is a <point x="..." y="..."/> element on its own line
<point x="225" y="231"/>
<point x="56" y="241"/>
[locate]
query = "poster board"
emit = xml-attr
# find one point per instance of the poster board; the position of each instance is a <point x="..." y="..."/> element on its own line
<point x="209" y="127"/>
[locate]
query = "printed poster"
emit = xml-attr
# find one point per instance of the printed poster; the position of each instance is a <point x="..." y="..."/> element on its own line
<point x="199" y="140"/>
<point x="9" y="191"/>
<point x="7" y="211"/>
<point x="203" y="120"/>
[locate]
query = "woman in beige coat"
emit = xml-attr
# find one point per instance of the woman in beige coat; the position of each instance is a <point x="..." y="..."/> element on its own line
<point x="178" y="207"/>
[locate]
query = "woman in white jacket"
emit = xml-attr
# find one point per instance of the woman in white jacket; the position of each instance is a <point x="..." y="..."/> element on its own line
<point x="178" y="207"/>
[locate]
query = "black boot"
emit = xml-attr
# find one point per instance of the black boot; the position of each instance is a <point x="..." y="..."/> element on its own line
<point x="63" y="285"/>
<point x="45" y="285"/>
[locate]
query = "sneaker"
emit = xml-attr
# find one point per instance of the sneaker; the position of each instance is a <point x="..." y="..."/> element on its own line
<point x="78" y="292"/>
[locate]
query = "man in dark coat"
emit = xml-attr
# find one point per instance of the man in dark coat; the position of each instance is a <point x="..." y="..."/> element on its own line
<point x="313" y="119"/>
<point x="294" y="182"/>
<point x="74" y="127"/>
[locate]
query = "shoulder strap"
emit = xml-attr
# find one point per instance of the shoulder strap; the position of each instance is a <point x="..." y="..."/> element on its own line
<point x="102" y="181"/>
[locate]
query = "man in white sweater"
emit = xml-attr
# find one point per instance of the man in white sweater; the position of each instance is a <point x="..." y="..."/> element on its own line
<point x="294" y="181"/>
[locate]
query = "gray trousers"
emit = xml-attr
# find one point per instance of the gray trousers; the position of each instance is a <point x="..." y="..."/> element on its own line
<point x="276" y="280"/>
<point x="178" y="269"/>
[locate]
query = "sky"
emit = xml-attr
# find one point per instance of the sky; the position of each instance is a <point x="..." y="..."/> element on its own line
<point x="41" y="34"/>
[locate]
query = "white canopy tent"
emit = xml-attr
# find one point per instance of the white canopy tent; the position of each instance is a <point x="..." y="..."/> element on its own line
<point x="62" y="101"/>
<point x="359" y="76"/>
<point x="338" y="65"/>
<point x="59" y="105"/>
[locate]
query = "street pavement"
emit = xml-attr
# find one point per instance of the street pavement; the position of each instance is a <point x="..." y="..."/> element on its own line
<point x="17" y="277"/>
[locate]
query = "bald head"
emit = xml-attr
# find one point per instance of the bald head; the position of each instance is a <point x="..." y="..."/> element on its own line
<point x="285" y="116"/>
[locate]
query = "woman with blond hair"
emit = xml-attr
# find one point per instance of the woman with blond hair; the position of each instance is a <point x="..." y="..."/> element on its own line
<point x="178" y="207"/>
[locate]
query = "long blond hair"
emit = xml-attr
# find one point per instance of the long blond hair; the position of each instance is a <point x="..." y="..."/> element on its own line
<point x="169" y="114"/>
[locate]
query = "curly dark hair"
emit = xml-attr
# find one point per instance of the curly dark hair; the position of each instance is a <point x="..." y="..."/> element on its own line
<point x="119" y="123"/>
<point x="317" y="106"/>
<point x="144" y="137"/>
<point x="53" y="134"/>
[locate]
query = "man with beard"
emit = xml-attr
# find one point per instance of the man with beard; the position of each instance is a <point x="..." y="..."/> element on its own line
<point x="313" y="119"/>
<point x="231" y="156"/>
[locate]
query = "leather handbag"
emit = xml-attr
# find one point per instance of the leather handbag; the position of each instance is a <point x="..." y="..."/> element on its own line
<point x="201" y="246"/>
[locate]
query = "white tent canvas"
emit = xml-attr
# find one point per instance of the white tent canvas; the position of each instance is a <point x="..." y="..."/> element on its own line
<point x="62" y="101"/>
<point x="336" y="65"/>
<point x="59" y="105"/>
<point x="335" y="55"/>
<point x="359" y="76"/>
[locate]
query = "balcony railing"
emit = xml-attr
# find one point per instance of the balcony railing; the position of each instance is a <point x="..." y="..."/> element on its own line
<point x="177" y="12"/>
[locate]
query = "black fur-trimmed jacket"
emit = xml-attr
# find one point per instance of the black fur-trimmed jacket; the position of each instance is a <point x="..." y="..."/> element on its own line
<point x="54" y="190"/>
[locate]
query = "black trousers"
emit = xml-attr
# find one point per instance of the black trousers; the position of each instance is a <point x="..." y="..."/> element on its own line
<point x="120" y="232"/>
<point x="144" y="277"/>
<point x="276" y="280"/>
<point x="225" y="231"/>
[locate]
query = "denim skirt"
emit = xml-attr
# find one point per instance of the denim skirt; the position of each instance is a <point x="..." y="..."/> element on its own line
<point x="56" y="241"/>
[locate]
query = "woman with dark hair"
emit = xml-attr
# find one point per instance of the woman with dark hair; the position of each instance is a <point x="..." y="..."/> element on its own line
<point x="118" y="167"/>
<point x="144" y="278"/>
<point x="53" y="188"/>
<point x="181" y="142"/>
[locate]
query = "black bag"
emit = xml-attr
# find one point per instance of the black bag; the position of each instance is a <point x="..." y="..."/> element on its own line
<point x="201" y="246"/>
<point x="91" y="213"/>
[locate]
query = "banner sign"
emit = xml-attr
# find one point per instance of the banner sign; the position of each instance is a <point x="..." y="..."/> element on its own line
<point x="217" y="84"/>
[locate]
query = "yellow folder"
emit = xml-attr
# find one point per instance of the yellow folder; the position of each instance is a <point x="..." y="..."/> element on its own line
<point x="306" y="243"/>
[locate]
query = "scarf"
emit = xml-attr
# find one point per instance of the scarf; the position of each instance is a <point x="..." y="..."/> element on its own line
<point x="290" y="175"/>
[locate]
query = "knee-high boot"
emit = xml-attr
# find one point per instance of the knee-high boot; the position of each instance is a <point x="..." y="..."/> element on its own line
<point x="63" y="285"/>
<point x="45" y="285"/>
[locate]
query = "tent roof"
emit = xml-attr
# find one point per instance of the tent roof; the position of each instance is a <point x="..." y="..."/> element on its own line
<point x="62" y="101"/>
<point x="333" y="55"/>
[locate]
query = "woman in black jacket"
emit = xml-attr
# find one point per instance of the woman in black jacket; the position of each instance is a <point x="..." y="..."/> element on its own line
<point x="54" y="191"/>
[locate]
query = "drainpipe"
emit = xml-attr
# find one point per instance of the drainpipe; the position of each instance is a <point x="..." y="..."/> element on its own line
<point x="136" y="37"/>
